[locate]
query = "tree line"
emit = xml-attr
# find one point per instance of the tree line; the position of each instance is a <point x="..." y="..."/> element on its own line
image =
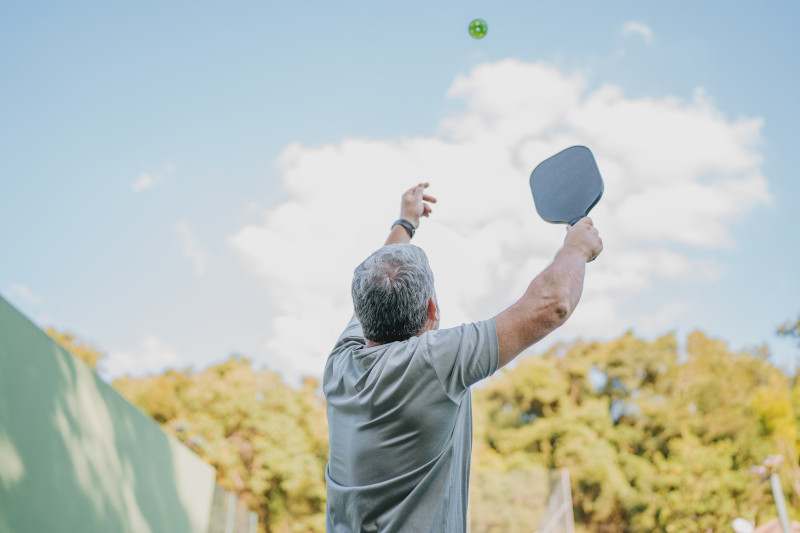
<point x="656" y="436"/>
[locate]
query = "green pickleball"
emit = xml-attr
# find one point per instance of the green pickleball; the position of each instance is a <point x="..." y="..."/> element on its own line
<point x="478" y="28"/>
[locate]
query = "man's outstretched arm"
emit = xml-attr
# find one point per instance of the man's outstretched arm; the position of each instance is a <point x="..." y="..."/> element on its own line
<point x="412" y="207"/>
<point x="551" y="297"/>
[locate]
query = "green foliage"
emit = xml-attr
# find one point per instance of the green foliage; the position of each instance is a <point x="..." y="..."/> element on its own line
<point x="655" y="439"/>
<point x="268" y="441"/>
<point x="791" y="329"/>
<point x="79" y="348"/>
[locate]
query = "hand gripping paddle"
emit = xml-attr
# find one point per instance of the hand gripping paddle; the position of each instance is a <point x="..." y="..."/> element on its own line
<point x="566" y="186"/>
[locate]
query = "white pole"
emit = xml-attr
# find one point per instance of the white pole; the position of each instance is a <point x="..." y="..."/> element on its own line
<point x="253" y="522"/>
<point x="780" y="503"/>
<point x="568" y="499"/>
<point x="230" y="521"/>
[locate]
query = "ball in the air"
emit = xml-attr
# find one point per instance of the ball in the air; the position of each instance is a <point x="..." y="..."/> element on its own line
<point x="478" y="28"/>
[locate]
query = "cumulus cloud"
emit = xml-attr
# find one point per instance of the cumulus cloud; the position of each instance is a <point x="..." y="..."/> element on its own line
<point x="641" y="29"/>
<point x="153" y="355"/>
<point x="677" y="172"/>
<point x="191" y="247"/>
<point x="147" y="181"/>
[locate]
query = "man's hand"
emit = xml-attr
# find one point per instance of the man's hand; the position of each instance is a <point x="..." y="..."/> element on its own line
<point x="413" y="205"/>
<point x="583" y="239"/>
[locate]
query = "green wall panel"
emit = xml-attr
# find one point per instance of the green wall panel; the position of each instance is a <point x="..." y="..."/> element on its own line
<point x="75" y="456"/>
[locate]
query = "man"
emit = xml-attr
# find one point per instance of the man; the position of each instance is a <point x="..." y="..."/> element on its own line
<point x="398" y="389"/>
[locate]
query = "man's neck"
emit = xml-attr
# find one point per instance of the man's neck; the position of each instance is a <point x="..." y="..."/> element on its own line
<point x="429" y="325"/>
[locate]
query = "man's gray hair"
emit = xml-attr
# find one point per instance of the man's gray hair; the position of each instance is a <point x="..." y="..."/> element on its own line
<point x="390" y="290"/>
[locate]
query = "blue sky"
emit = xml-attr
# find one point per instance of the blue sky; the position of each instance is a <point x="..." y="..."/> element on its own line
<point x="185" y="181"/>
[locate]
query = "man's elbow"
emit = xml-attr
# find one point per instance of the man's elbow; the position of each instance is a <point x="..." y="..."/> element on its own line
<point x="561" y="311"/>
<point x="551" y="313"/>
<point x="556" y="309"/>
<point x="554" y="303"/>
<point x="548" y="316"/>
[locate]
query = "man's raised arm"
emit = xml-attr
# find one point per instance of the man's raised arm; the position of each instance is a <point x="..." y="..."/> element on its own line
<point x="552" y="296"/>
<point x="412" y="208"/>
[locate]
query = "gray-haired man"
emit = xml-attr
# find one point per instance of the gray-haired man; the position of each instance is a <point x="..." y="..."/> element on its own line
<point x="397" y="387"/>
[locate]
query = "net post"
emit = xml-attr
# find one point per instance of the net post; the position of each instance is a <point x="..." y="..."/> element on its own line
<point x="230" y="518"/>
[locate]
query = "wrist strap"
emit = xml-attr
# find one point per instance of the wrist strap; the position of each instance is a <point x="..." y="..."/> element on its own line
<point x="406" y="224"/>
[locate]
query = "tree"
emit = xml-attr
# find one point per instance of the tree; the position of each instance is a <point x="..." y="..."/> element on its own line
<point x="77" y="347"/>
<point x="655" y="438"/>
<point x="791" y="329"/>
<point x="268" y="441"/>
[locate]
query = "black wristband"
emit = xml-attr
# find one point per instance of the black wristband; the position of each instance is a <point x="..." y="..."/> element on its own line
<point x="406" y="224"/>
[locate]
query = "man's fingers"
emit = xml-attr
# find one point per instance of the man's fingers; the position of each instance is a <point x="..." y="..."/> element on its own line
<point x="419" y="188"/>
<point x="414" y="197"/>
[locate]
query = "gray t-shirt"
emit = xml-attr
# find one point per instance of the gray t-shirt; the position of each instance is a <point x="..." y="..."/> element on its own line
<point x="400" y="427"/>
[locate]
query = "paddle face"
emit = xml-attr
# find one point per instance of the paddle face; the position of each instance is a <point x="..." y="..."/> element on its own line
<point x="566" y="186"/>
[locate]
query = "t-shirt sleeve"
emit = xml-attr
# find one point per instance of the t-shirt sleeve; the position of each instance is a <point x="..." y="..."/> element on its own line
<point x="352" y="332"/>
<point x="463" y="356"/>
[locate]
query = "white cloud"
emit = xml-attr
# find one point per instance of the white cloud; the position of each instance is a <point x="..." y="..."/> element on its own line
<point x="641" y="29"/>
<point x="676" y="172"/>
<point x="192" y="249"/>
<point x="144" y="181"/>
<point x="147" y="181"/>
<point x="23" y="293"/>
<point x="153" y="355"/>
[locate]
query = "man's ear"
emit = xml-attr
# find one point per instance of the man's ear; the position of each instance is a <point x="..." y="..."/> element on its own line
<point x="433" y="310"/>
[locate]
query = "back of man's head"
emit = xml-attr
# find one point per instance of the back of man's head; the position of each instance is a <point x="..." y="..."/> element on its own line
<point x="391" y="289"/>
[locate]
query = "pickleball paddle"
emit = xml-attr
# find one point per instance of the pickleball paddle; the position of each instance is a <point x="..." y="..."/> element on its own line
<point x="566" y="186"/>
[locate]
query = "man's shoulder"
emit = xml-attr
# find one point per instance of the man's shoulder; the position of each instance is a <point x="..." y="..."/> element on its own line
<point x="482" y="329"/>
<point x="463" y="355"/>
